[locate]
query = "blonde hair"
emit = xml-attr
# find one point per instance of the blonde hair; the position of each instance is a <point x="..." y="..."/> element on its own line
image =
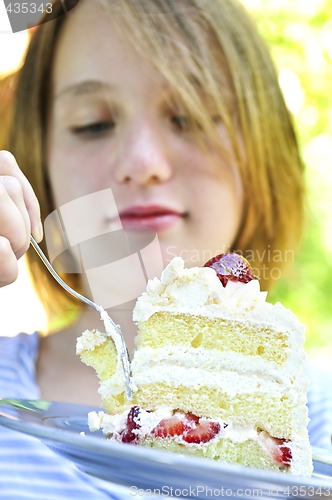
<point x="208" y="51"/>
<point x="7" y="85"/>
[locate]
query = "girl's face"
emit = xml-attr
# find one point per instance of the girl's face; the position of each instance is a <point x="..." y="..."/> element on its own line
<point x="115" y="129"/>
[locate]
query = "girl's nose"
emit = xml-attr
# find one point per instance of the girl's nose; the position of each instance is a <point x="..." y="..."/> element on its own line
<point x="143" y="158"/>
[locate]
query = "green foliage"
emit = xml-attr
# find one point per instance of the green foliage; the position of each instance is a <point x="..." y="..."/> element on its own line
<point x="299" y="34"/>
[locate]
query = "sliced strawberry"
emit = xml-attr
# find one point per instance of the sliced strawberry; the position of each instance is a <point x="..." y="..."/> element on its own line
<point x="168" y="427"/>
<point x="231" y="267"/>
<point x="282" y="453"/>
<point x="277" y="448"/>
<point x="188" y="426"/>
<point x="191" y="418"/>
<point x="202" y="433"/>
<point x="128" y="435"/>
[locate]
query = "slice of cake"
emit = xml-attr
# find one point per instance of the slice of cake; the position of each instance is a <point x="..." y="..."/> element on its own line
<point x="217" y="371"/>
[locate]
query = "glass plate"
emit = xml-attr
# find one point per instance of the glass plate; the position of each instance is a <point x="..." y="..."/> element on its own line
<point x="63" y="428"/>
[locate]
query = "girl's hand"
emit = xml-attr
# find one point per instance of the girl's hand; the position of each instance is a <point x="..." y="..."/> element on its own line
<point x="19" y="217"/>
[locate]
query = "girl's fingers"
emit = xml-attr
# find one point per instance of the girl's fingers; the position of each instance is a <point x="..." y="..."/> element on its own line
<point x="14" y="218"/>
<point x="19" y="216"/>
<point x="9" y="167"/>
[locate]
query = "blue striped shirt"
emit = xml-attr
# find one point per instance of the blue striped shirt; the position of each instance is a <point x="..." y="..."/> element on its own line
<point x="30" y="470"/>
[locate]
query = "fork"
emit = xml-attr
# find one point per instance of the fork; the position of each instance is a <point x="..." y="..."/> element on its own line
<point x="111" y="327"/>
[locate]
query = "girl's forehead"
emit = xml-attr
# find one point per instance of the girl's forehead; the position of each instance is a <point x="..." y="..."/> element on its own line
<point x="101" y="43"/>
<point x="139" y="21"/>
<point x="90" y="39"/>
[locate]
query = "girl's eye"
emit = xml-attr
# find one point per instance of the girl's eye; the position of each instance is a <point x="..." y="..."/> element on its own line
<point x="181" y="122"/>
<point x="184" y="123"/>
<point x="94" y="129"/>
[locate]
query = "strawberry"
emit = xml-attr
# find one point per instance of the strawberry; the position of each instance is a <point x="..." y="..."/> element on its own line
<point x="168" y="427"/>
<point x="191" y="418"/>
<point x="202" y="433"/>
<point x="282" y="452"/>
<point x="188" y="426"/>
<point x="128" y="435"/>
<point x="277" y="448"/>
<point x="231" y="267"/>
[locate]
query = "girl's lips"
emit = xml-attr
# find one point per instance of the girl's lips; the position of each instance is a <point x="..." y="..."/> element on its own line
<point x="154" y="217"/>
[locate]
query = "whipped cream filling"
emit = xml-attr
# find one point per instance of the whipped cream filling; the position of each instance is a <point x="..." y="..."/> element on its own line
<point x="231" y="382"/>
<point x="198" y="291"/>
<point x="113" y="425"/>
<point x="147" y="360"/>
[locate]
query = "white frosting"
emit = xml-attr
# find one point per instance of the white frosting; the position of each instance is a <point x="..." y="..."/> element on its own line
<point x="109" y="424"/>
<point x="89" y="340"/>
<point x="198" y="291"/>
<point x="95" y="420"/>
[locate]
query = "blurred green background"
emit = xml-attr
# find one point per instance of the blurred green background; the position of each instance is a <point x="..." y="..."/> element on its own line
<point x="299" y="34"/>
